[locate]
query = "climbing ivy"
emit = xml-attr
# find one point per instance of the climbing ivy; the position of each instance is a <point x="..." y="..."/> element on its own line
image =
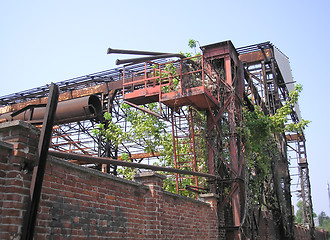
<point x="259" y="134"/>
<point x="259" y="149"/>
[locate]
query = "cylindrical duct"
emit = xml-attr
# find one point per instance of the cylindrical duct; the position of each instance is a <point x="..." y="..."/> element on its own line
<point x="73" y="110"/>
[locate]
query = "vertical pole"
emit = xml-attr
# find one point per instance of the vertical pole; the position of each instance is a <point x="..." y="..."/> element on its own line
<point x="124" y="83"/>
<point x="175" y="149"/>
<point x="192" y="133"/>
<point x="233" y="150"/>
<point x="203" y="77"/>
<point x="181" y="78"/>
<point x="210" y="154"/>
<point x="39" y="169"/>
<point x="265" y="85"/>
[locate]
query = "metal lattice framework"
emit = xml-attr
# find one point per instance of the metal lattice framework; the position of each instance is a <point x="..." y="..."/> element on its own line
<point x="269" y="88"/>
<point x="216" y="84"/>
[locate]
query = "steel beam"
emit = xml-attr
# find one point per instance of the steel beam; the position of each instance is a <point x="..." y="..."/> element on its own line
<point x="39" y="169"/>
<point x="91" y="159"/>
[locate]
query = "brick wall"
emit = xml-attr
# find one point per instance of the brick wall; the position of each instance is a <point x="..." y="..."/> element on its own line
<point x="81" y="203"/>
<point x="302" y="233"/>
<point x="18" y="147"/>
<point x="269" y="231"/>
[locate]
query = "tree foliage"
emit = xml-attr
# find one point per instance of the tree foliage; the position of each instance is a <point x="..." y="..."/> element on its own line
<point x="147" y="130"/>
<point x="299" y="217"/>
<point x="324" y="221"/>
<point x="259" y="148"/>
<point x="280" y="118"/>
<point x="259" y="137"/>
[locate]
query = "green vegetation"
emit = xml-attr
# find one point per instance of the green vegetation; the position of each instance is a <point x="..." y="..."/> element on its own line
<point x="259" y="139"/>
<point x="280" y="119"/>
<point x="299" y="217"/>
<point x="145" y="129"/>
<point x="324" y="221"/>
<point x="149" y="131"/>
<point x="168" y="75"/>
<point x="259" y="149"/>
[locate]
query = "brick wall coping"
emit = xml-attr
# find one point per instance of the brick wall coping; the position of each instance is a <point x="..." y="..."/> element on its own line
<point x="7" y="146"/>
<point x="98" y="173"/>
<point x="149" y="174"/>
<point x="174" y="195"/>
<point x="209" y="195"/>
<point x="18" y="123"/>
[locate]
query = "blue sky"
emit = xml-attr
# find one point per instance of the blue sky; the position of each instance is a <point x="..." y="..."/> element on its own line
<point x="51" y="41"/>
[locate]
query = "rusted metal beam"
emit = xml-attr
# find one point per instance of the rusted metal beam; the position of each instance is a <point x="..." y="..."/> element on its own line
<point x="90" y="159"/>
<point x="39" y="169"/>
<point x="254" y="57"/>
<point x="146" y="110"/>
<point x="144" y="59"/>
<point x="131" y="157"/>
<point x="70" y="142"/>
<point x="134" y="52"/>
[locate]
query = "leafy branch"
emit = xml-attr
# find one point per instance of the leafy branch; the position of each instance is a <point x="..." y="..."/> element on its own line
<point x="280" y="118"/>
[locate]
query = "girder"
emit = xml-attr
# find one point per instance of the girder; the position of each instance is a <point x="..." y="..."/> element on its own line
<point x="217" y="83"/>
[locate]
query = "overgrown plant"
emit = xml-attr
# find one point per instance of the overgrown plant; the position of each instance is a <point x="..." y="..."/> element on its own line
<point x="259" y="134"/>
<point x="144" y="129"/>
<point x="280" y="118"/>
<point x="149" y="131"/>
<point x="168" y="74"/>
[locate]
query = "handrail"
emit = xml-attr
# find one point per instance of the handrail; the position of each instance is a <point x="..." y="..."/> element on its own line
<point x="156" y="74"/>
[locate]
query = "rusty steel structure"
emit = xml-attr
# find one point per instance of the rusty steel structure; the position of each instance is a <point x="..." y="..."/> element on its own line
<point x="218" y="83"/>
<point x="297" y="145"/>
<point x="262" y="70"/>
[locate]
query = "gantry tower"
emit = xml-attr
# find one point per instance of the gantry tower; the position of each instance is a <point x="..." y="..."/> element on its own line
<point x="217" y="83"/>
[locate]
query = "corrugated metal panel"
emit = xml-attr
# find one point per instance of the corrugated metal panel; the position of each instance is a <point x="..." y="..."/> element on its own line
<point x="284" y="65"/>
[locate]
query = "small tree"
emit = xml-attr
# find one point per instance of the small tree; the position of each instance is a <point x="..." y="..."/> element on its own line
<point x="299" y="217"/>
<point x="324" y="221"/>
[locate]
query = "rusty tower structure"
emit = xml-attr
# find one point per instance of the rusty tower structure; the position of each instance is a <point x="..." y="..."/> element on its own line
<point x="219" y="82"/>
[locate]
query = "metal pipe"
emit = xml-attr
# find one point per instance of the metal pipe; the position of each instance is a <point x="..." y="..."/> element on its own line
<point x="135" y="52"/>
<point x="143" y="59"/>
<point x="91" y="159"/>
<point x="77" y="109"/>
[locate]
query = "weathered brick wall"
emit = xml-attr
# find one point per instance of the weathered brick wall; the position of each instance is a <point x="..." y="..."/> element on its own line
<point x="269" y="231"/>
<point x="303" y="233"/>
<point x="81" y="203"/>
<point x="18" y="146"/>
<point x="321" y="234"/>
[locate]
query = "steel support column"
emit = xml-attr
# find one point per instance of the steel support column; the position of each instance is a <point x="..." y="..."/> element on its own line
<point x="39" y="169"/>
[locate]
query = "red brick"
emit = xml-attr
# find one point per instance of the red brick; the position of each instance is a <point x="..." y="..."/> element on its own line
<point x="72" y="197"/>
<point x="11" y="220"/>
<point x="12" y="204"/>
<point x="11" y="212"/>
<point x="13" y="197"/>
